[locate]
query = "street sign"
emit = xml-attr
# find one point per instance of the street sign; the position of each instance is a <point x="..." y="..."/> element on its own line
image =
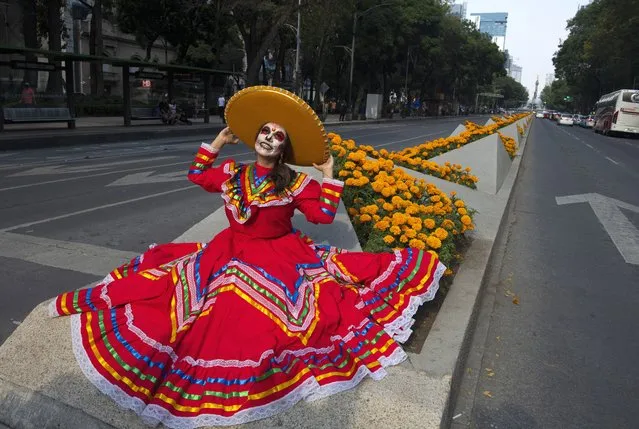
<point x="148" y="75"/>
<point x="32" y="65"/>
<point x="622" y="232"/>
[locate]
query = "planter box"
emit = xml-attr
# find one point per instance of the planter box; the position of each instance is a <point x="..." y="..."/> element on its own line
<point x="487" y="159"/>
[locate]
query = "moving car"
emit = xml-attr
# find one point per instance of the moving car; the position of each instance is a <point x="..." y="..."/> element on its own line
<point x="565" y="119"/>
<point x="539" y="115"/>
<point x="590" y="121"/>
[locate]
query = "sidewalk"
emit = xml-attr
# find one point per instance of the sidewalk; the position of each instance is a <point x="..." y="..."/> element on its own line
<point x="112" y="129"/>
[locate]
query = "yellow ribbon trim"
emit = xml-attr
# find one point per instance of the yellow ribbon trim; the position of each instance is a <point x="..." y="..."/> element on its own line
<point x="331" y="192"/>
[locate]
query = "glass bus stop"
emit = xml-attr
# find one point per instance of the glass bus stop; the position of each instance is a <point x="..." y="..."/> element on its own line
<point x="47" y="86"/>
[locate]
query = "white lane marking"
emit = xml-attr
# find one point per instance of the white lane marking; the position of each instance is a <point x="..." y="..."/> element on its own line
<point x="622" y="232"/>
<point x="612" y="160"/>
<point x="408" y="139"/>
<point x="63" y="169"/>
<point x="80" y="257"/>
<point x="146" y="177"/>
<point x="92" y="209"/>
<point x="589" y="145"/>
<point x="48" y="182"/>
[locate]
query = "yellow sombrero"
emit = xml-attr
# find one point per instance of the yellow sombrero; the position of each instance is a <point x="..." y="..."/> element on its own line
<point x="255" y="106"/>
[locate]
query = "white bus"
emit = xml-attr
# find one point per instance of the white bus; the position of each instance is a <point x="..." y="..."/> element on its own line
<point x="618" y="112"/>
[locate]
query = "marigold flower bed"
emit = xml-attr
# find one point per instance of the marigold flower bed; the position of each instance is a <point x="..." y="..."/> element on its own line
<point x="391" y="209"/>
<point x="417" y="157"/>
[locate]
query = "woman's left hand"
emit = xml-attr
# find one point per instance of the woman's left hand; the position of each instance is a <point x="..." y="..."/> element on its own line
<point x="326" y="168"/>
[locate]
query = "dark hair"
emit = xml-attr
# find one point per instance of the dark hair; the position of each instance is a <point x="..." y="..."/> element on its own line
<point x="282" y="174"/>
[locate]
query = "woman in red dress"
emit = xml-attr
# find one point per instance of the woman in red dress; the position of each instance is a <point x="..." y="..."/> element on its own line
<point x="246" y="325"/>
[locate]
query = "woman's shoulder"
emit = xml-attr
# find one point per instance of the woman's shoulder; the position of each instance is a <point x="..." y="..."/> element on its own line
<point x="301" y="181"/>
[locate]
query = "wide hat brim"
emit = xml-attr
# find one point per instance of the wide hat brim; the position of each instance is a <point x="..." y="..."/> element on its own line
<point x="249" y="109"/>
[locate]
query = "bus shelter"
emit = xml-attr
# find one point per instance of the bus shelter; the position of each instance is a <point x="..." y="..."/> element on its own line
<point x="135" y="87"/>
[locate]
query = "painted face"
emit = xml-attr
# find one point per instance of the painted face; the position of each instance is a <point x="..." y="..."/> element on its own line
<point x="270" y="140"/>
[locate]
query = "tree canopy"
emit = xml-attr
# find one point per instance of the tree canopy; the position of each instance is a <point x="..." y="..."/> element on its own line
<point x="600" y="53"/>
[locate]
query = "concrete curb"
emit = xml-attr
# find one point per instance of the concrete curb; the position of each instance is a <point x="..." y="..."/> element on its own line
<point x="62" y="137"/>
<point x="446" y="347"/>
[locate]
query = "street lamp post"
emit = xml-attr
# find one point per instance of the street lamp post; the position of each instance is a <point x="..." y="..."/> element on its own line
<point x="356" y="16"/>
<point x="297" y="49"/>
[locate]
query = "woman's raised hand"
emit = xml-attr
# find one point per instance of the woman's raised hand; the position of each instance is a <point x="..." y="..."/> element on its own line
<point x="326" y="168"/>
<point x="225" y="136"/>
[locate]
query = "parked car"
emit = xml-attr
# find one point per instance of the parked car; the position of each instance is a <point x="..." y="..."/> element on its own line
<point x="590" y="122"/>
<point x="565" y="119"/>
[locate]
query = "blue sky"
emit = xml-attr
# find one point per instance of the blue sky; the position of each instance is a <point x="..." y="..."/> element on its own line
<point x="533" y="33"/>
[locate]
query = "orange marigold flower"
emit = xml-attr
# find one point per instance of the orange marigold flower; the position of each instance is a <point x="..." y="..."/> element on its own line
<point x="429" y="223"/>
<point x="462" y="211"/>
<point x="382" y="225"/>
<point x="459" y="204"/>
<point x="466" y="220"/>
<point x="395" y="230"/>
<point x="433" y="242"/>
<point x="441" y="233"/>
<point x="365" y="218"/>
<point x="417" y="244"/>
<point x="389" y="239"/>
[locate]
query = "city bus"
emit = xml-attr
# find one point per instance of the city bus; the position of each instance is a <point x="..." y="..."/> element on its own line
<point x="618" y="112"/>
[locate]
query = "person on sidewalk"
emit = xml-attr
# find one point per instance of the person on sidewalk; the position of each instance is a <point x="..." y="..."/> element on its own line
<point x="246" y="325"/>
<point x="221" y="103"/>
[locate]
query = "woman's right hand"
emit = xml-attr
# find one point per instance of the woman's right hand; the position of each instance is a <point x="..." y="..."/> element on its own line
<point x="225" y="137"/>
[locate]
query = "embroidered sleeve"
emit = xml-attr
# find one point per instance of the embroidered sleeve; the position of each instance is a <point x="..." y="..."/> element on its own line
<point x="204" y="174"/>
<point x="319" y="203"/>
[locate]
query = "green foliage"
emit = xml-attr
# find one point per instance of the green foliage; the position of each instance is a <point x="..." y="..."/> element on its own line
<point x="514" y="92"/>
<point x="600" y="53"/>
<point x="557" y="96"/>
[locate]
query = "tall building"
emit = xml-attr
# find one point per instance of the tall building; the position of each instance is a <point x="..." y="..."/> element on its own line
<point x="515" y="72"/>
<point x="459" y="9"/>
<point x="494" y="24"/>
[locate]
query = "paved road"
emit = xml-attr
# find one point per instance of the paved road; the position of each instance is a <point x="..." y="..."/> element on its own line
<point x="88" y="205"/>
<point x="566" y="355"/>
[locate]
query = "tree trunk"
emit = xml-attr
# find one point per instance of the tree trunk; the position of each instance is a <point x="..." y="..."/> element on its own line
<point x="96" y="48"/>
<point x="258" y="51"/>
<point x="149" y="47"/>
<point x="29" y="29"/>
<point x="318" y="73"/>
<point x="54" y="85"/>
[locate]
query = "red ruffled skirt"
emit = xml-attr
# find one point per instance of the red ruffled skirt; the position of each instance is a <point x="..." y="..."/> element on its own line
<point x="241" y="328"/>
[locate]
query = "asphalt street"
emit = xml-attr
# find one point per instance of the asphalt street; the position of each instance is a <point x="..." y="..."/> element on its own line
<point x="556" y="340"/>
<point x="116" y="199"/>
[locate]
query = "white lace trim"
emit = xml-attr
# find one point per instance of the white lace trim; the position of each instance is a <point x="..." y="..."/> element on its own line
<point x="207" y="147"/>
<point x="385" y="274"/>
<point x="333" y="182"/>
<point x="400" y="328"/>
<point x="152" y="414"/>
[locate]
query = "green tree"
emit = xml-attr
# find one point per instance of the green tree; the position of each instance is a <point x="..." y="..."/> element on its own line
<point x="515" y="94"/>
<point x="259" y="22"/>
<point x="600" y="53"/>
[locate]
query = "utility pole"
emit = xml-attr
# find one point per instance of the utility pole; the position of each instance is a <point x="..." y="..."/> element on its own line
<point x="356" y="16"/>
<point x="350" y="81"/>
<point x="297" y="49"/>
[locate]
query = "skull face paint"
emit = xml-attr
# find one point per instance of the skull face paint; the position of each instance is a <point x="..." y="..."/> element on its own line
<point x="270" y="140"/>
